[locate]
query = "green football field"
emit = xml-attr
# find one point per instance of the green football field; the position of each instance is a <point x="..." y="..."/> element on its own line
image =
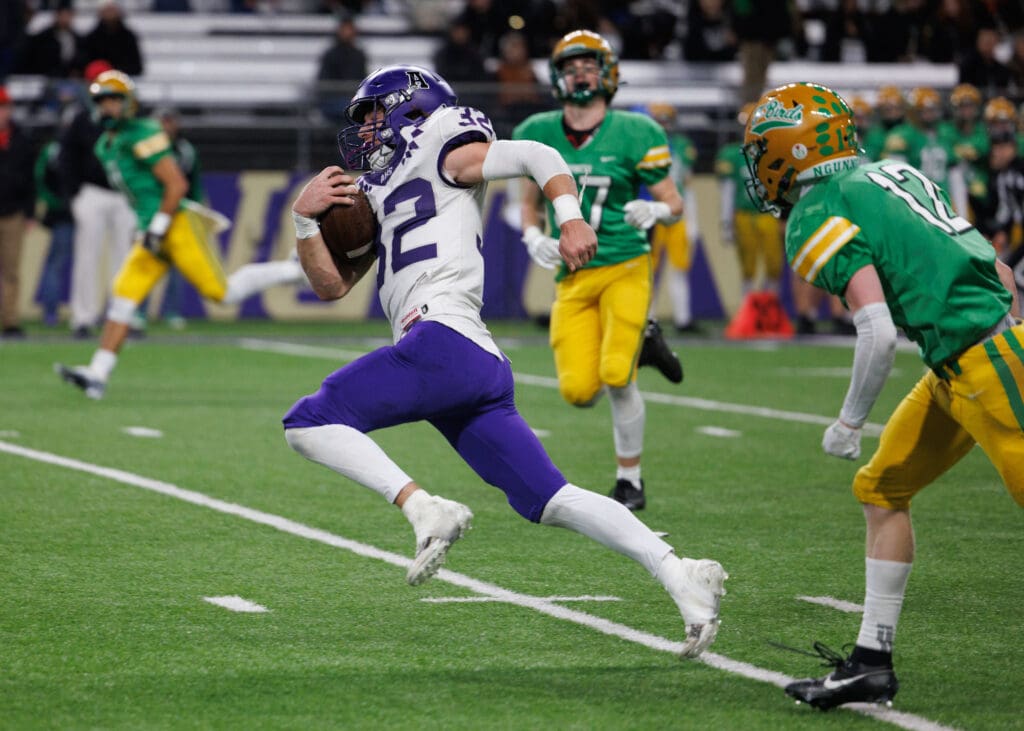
<point x="122" y="518"/>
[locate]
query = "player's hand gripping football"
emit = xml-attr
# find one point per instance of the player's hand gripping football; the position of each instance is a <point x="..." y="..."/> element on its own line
<point x="577" y="243"/>
<point x="331" y="186"/>
<point x="841" y="440"/>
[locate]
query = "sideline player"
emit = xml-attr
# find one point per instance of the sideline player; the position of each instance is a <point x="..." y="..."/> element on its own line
<point x="429" y="161"/>
<point x="886" y="238"/>
<point x="138" y="157"/>
<point x="599" y="317"/>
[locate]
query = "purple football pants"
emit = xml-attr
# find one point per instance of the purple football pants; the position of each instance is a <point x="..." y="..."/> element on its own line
<point x="437" y="375"/>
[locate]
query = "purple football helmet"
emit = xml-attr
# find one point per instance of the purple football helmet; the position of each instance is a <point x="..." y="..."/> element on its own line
<point x="406" y="94"/>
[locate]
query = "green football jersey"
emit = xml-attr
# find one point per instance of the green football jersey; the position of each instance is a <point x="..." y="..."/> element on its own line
<point x="937" y="272"/>
<point x="128" y="155"/>
<point x="929" y="152"/>
<point x="731" y="163"/>
<point x="970" y="146"/>
<point x="873" y="140"/>
<point x="628" y="150"/>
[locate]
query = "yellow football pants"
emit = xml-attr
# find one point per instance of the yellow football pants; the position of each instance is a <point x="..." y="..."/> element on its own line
<point x="673" y="240"/>
<point x="942" y="418"/>
<point x="597" y="326"/>
<point x="759" y="238"/>
<point x="187" y="246"/>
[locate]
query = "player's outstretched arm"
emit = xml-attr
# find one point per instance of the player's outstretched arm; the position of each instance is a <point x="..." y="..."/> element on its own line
<point x="873" y="357"/>
<point x="473" y="163"/>
<point x="331" y="186"/>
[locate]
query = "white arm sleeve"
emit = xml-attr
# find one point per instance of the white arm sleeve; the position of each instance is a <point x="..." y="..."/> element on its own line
<point x="690" y="215"/>
<point x="516" y="158"/>
<point x="872" y="361"/>
<point x="958" y="190"/>
<point x="727" y="191"/>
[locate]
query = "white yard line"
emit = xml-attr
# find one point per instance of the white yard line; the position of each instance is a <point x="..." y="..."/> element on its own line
<point x="827" y="601"/>
<point x="484" y="599"/>
<point x="236" y="604"/>
<point x="538" y="604"/>
<point x="307" y="351"/>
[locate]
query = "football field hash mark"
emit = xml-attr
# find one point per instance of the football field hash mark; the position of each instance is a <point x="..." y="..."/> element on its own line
<point x="718" y="431"/>
<point x="482" y="599"/>
<point x="236" y="604"/>
<point x="538" y="604"/>
<point x="142" y="431"/>
<point x="827" y="601"/>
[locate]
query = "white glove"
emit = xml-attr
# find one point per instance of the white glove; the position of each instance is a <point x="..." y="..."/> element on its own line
<point x="841" y="441"/>
<point x="543" y="249"/>
<point x="643" y="214"/>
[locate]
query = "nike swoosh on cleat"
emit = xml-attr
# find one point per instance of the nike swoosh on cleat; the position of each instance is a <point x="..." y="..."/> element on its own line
<point x="829" y="684"/>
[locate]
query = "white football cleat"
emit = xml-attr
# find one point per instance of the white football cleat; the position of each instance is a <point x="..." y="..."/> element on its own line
<point x="697" y="587"/>
<point x="438" y="523"/>
<point x="83" y="378"/>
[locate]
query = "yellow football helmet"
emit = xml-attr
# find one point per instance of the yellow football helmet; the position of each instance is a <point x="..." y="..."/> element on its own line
<point x="663" y="112"/>
<point x="924" y="97"/>
<point x="1000" y="109"/>
<point x="861" y="108"/>
<point x="115" y="83"/>
<point x="797" y="133"/>
<point x="584" y="43"/>
<point x="964" y="94"/>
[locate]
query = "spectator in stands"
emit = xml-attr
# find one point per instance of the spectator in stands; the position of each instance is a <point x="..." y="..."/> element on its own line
<point x="486" y="22"/>
<point x="888" y="29"/>
<point x="1004" y="15"/>
<point x="459" y="61"/>
<point x="343" y="61"/>
<point x="759" y="26"/>
<point x="647" y="30"/>
<point x="1016" y="64"/>
<point x="13" y="16"/>
<point x="577" y="15"/>
<point x="17" y="204"/>
<point x="113" y="41"/>
<point x="948" y="32"/>
<point x="102" y="215"/>
<point x="56" y="50"/>
<point x="980" y="66"/>
<point x="709" y="36"/>
<point x="518" y="96"/>
<point x="57" y="218"/>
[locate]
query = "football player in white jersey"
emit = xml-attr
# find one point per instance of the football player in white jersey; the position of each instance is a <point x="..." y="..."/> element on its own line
<point x="428" y="162"/>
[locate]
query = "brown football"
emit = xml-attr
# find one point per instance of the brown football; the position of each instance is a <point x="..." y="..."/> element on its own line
<point x="349" y="231"/>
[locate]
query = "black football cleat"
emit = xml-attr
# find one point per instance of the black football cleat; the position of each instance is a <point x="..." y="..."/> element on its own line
<point x="850" y="682"/>
<point x="631" y="497"/>
<point x="655" y="352"/>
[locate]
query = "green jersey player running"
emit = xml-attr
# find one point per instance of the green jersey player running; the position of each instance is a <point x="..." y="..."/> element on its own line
<point x="884" y="237"/>
<point x="599" y="325"/>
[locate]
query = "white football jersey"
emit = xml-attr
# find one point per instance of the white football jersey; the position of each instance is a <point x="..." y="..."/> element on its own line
<point x="430" y="265"/>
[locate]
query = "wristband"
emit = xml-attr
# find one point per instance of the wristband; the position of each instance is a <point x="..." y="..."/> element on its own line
<point x="159" y="223"/>
<point x="305" y="227"/>
<point x="567" y="208"/>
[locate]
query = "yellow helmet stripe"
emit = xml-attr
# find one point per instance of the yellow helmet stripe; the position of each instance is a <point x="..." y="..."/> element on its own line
<point x="822" y="245"/>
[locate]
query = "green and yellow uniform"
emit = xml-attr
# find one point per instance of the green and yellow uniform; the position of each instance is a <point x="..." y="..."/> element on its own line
<point x="758" y="235"/>
<point x="940" y="284"/>
<point x="128" y="153"/>
<point x="928" y="151"/>
<point x="674" y="238"/>
<point x="968" y="145"/>
<point x="600" y="311"/>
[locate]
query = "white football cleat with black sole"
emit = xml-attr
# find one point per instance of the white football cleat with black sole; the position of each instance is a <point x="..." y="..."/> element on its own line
<point x="697" y="587"/>
<point x="438" y="523"/>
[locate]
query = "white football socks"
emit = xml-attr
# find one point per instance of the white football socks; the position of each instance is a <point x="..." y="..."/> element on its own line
<point x="679" y="293"/>
<point x="254" y="278"/>
<point x="885" y="585"/>
<point x="628" y="417"/>
<point x="629" y="473"/>
<point x="102" y="364"/>
<point x="352" y="454"/>
<point x="609" y="523"/>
